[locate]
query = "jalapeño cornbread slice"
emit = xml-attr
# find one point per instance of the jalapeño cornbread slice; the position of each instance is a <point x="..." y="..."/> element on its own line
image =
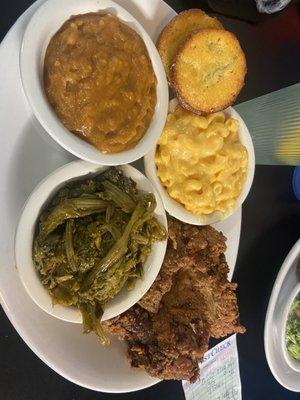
<point x="178" y="30"/>
<point x="209" y="71"/>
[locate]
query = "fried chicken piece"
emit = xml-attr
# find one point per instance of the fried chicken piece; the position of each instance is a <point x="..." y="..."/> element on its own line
<point x="174" y="351"/>
<point x="204" y="300"/>
<point x="165" y="344"/>
<point x="219" y="303"/>
<point x="133" y="325"/>
<point x="159" y="343"/>
<point x="191" y="300"/>
<point x="188" y="247"/>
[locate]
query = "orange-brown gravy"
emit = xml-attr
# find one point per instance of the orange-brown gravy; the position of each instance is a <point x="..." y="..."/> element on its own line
<point x="99" y="79"/>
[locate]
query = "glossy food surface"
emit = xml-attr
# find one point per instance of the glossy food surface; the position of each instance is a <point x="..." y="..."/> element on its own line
<point x="100" y="82"/>
<point x="201" y="162"/>
<point x="92" y="240"/>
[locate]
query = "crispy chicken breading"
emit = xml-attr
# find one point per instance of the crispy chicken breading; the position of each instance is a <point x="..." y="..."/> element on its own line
<point x="190" y="301"/>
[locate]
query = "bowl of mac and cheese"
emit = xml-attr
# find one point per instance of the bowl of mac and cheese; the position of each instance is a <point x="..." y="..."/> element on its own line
<point x="202" y="166"/>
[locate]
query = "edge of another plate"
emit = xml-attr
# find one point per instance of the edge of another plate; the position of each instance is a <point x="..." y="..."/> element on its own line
<point x="282" y="372"/>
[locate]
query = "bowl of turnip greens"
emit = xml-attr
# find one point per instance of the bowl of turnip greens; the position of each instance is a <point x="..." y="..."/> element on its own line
<point x="90" y="242"/>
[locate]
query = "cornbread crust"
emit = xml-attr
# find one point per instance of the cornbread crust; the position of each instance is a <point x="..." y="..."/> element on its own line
<point x="178" y="30"/>
<point x="209" y="71"/>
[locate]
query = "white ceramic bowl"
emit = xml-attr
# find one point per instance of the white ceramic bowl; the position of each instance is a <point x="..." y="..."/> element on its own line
<point x="284" y="291"/>
<point x="26" y="228"/>
<point x="43" y="25"/>
<point x="295" y="365"/>
<point x="178" y="210"/>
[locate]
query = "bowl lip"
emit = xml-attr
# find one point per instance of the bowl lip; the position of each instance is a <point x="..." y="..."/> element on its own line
<point x="295" y="365"/>
<point x="82" y="169"/>
<point x="176" y="209"/>
<point x="31" y="50"/>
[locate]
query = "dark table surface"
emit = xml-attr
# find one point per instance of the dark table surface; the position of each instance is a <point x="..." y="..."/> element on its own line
<point x="270" y="225"/>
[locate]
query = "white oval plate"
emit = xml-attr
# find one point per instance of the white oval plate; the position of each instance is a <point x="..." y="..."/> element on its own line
<point x="28" y="155"/>
<point x="286" y="283"/>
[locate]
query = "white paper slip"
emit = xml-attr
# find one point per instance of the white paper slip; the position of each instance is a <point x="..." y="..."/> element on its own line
<point x="219" y="374"/>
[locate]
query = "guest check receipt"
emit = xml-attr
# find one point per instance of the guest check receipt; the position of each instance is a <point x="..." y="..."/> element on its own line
<point x="219" y="374"/>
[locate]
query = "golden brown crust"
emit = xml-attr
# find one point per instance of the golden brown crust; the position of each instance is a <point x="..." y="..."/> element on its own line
<point x="209" y="71"/>
<point x="168" y="332"/>
<point x="176" y="32"/>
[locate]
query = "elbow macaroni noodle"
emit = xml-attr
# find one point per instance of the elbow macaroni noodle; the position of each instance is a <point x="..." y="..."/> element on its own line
<point x="201" y="162"/>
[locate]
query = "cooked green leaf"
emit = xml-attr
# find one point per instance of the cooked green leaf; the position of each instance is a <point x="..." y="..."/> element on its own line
<point x="93" y="238"/>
